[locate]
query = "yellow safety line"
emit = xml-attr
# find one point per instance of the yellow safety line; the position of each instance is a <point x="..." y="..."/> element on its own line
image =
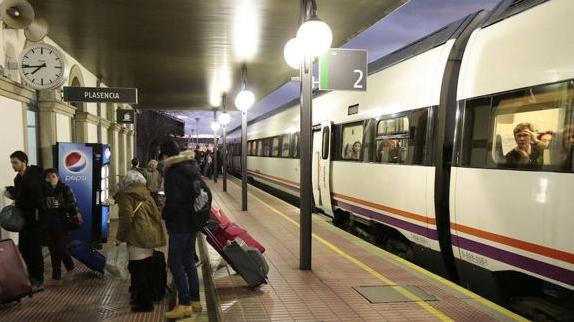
<point x="394" y="257"/>
<point x="441" y="316"/>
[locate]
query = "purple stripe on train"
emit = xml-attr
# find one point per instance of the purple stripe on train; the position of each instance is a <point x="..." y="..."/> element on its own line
<point x="532" y="265"/>
<point x="420" y="230"/>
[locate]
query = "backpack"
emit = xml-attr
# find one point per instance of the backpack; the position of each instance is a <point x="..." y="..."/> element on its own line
<point x="201" y="204"/>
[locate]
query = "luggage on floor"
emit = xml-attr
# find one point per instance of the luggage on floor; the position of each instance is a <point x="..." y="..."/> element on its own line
<point x="245" y="260"/>
<point x="14" y="283"/>
<point x="159" y="274"/>
<point x="225" y="230"/>
<point x="88" y="256"/>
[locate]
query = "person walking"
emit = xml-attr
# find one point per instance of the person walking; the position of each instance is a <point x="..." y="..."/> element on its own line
<point x="28" y="195"/>
<point x="181" y="171"/>
<point x="59" y="208"/>
<point x="141" y="227"/>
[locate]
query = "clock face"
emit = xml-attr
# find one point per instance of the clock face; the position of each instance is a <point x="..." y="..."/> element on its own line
<point x="43" y="66"/>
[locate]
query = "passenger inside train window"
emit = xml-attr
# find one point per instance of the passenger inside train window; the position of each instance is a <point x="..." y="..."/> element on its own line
<point x="352" y="141"/>
<point x="391" y="151"/>
<point x="568" y="144"/>
<point x="355" y="152"/>
<point x="275" y="147"/>
<point x="544" y="139"/>
<point x="527" y="154"/>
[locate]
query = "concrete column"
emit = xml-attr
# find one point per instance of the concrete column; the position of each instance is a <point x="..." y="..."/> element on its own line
<point x="113" y="141"/>
<point x="82" y="120"/>
<point x="130" y="144"/>
<point x="122" y="160"/>
<point x="48" y="106"/>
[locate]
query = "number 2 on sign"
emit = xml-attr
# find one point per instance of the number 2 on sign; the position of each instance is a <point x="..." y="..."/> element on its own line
<point x="358" y="82"/>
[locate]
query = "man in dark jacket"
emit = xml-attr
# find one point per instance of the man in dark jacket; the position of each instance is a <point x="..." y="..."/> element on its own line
<point x="181" y="171"/>
<point x="28" y="194"/>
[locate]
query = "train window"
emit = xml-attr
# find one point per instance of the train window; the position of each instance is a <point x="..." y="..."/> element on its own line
<point x="285" y="146"/>
<point x="402" y="139"/>
<point x="275" y="147"/>
<point x="296" y="145"/>
<point x="352" y="141"/>
<point x="528" y="129"/>
<point x="259" y="148"/>
<point x="266" y="147"/>
<point x="325" y="145"/>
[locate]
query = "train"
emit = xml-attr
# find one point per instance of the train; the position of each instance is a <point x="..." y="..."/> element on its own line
<point x="457" y="158"/>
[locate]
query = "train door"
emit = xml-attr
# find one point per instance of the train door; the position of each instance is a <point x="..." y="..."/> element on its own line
<point x="322" y="168"/>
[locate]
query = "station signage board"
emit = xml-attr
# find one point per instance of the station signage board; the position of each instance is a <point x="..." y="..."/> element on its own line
<point x="343" y="69"/>
<point x="125" y="116"/>
<point x="101" y="95"/>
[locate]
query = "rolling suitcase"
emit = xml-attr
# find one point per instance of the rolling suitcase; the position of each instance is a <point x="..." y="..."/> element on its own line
<point x="14" y="283"/>
<point x="245" y="260"/>
<point x="159" y="282"/>
<point x="225" y="230"/>
<point x="88" y="256"/>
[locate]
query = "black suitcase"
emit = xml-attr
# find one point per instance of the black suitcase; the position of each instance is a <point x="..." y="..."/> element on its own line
<point x="247" y="261"/>
<point x="14" y="283"/>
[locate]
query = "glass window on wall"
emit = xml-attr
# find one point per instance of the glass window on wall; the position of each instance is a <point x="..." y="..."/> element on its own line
<point x="529" y="129"/>
<point x="259" y="147"/>
<point x="32" y="129"/>
<point x="266" y="147"/>
<point x="285" y="146"/>
<point x="352" y="141"/>
<point x="275" y="147"/>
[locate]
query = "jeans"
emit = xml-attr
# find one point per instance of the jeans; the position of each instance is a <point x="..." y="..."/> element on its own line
<point x="182" y="266"/>
<point x="58" y="246"/>
<point x="29" y="244"/>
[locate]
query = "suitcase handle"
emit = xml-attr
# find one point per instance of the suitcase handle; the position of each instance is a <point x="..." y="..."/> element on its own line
<point x="209" y="234"/>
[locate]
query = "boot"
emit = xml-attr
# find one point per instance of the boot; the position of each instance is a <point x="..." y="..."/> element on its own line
<point x="179" y="312"/>
<point x="196" y="306"/>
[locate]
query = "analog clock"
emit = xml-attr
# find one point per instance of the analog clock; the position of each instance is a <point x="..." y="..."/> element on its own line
<point x="42" y="66"/>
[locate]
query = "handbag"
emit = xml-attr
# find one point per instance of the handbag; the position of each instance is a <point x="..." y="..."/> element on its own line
<point x="12" y="219"/>
<point x="117" y="260"/>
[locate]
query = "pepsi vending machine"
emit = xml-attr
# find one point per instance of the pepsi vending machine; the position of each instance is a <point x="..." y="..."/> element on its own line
<point x="102" y="154"/>
<point x="85" y="168"/>
<point x="75" y="166"/>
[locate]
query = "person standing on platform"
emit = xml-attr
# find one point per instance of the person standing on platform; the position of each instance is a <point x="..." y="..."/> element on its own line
<point x="60" y="204"/>
<point x="181" y="171"/>
<point x="29" y="197"/>
<point x="141" y="227"/>
<point x="136" y="165"/>
<point x="153" y="179"/>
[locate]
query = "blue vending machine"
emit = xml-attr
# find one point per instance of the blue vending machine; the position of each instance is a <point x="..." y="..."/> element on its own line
<point x="75" y="166"/>
<point x="102" y="155"/>
<point x="85" y="168"/>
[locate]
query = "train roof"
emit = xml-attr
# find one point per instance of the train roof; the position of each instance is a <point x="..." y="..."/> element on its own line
<point x="508" y="8"/>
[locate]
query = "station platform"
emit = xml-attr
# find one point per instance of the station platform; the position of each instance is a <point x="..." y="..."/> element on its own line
<point x="343" y="267"/>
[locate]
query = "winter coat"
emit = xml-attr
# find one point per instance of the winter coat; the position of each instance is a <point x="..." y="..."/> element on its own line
<point x="28" y="193"/>
<point x="56" y="218"/>
<point x="144" y="227"/>
<point x="153" y="179"/>
<point x="180" y="173"/>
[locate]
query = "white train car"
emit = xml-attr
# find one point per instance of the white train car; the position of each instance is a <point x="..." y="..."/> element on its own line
<point x="423" y="162"/>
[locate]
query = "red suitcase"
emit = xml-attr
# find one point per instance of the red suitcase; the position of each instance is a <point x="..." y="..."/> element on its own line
<point x="14" y="283"/>
<point x="226" y="231"/>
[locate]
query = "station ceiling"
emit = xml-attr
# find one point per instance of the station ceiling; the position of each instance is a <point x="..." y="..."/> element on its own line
<point x="179" y="52"/>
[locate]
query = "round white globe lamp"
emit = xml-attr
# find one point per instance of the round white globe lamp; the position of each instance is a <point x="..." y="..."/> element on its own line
<point x="244" y="100"/>
<point x="293" y="53"/>
<point x="224" y="119"/>
<point x="315" y="37"/>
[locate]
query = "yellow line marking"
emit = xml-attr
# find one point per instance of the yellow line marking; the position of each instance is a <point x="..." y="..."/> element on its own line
<point x="395" y="258"/>
<point x="441" y="316"/>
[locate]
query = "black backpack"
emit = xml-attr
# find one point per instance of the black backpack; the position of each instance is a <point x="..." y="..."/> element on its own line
<point x="200" y="215"/>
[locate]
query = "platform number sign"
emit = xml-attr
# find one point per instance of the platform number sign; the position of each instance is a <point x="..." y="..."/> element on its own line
<point x="343" y="69"/>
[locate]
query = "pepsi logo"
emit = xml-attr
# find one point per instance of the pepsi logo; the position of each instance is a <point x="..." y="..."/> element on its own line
<point x="75" y="162"/>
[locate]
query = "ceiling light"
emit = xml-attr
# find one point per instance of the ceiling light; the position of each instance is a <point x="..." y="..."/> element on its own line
<point x="293" y="53"/>
<point x="315" y="37"/>
<point x="214" y="126"/>
<point x="244" y="100"/>
<point x="224" y="119"/>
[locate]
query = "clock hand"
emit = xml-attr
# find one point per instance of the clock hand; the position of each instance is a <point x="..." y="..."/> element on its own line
<point x="38" y="68"/>
<point x="31" y="66"/>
